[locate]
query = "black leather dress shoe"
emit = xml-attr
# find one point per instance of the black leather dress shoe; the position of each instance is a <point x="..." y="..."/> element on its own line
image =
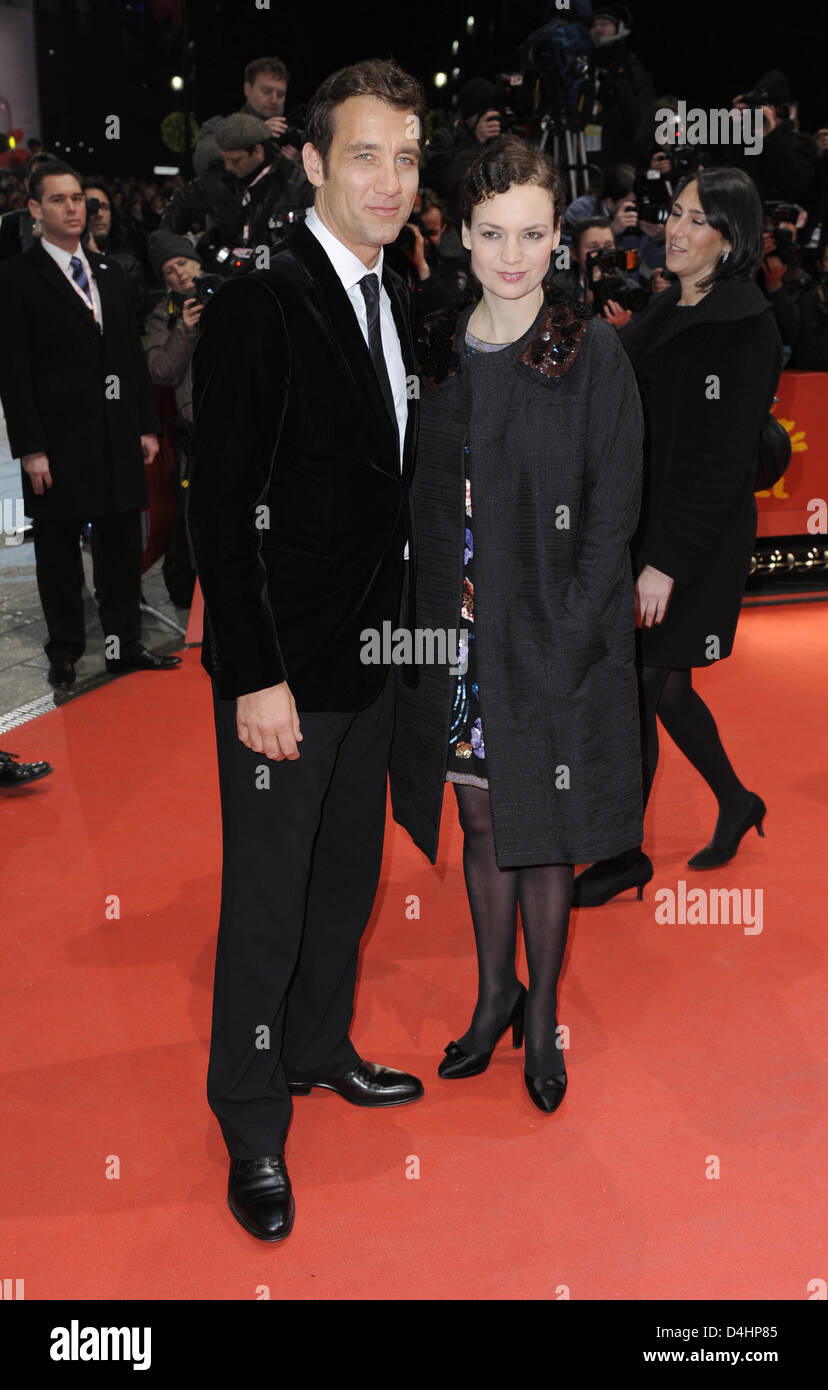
<point x="62" y="674"/>
<point x="260" y="1196"/>
<point x="367" y="1084"/>
<point x="547" y="1092"/>
<point x="141" y="659"/>
<point x="14" y="774"/>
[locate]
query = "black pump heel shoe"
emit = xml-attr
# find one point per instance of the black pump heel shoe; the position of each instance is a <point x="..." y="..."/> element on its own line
<point x="713" y="855"/>
<point x="608" y="877"/>
<point x="547" y="1092"/>
<point x="457" y="1063"/>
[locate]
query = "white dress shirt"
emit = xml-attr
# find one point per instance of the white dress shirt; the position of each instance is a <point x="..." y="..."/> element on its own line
<point x="351" y="270"/>
<point x="62" y="258"/>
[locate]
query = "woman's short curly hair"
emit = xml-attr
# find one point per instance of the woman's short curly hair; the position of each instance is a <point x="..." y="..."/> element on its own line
<point x="504" y="162"/>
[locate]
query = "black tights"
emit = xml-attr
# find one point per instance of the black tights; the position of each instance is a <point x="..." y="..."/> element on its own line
<point x="544" y="893"/>
<point x="669" y="694"/>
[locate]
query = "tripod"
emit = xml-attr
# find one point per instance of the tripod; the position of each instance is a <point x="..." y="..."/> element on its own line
<point x="567" y="140"/>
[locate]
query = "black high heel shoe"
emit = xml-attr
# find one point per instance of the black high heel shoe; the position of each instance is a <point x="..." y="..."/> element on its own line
<point x="457" y="1063"/>
<point x="608" y="877"/>
<point x="713" y="855"/>
<point x="546" y="1092"/>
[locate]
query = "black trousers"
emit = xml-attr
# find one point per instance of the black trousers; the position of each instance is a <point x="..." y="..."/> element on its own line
<point x="302" y="847"/>
<point x="117" y="547"/>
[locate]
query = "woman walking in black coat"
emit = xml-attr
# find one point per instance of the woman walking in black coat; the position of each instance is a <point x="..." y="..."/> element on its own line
<point x="707" y="355"/>
<point x="526" y="494"/>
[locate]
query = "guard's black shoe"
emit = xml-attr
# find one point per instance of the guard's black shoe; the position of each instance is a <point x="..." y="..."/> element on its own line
<point x="62" y="674"/>
<point x="141" y="659"/>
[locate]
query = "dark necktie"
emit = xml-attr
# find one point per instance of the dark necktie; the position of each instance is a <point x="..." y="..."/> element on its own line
<point x="369" y="284"/>
<point x="80" y="278"/>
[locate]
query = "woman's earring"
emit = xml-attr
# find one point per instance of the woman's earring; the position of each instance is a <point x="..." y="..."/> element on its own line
<point x="725" y="255"/>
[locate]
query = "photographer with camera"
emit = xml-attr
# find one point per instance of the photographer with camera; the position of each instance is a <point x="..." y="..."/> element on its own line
<point x="779" y="270"/>
<point x="247" y="200"/>
<point x="810" y="348"/>
<point x="429" y="255"/>
<point x="635" y="227"/>
<point x="622" y="89"/>
<point x="786" y="166"/>
<point x="265" y="90"/>
<point x="106" y="234"/>
<point x="168" y="344"/>
<point x="600" y="275"/>
<point x="452" y="148"/>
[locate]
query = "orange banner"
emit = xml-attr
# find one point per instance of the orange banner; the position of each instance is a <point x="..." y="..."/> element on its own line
<point x="803" y="409"/>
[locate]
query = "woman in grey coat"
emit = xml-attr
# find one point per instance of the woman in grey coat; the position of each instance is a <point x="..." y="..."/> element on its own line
<point x="526" y="494"/>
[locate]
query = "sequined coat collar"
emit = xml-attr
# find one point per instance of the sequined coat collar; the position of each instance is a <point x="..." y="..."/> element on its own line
<point x="546" y="352"/>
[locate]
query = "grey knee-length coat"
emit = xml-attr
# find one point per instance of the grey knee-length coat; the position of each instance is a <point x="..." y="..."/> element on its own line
<point x="555" y="430"/>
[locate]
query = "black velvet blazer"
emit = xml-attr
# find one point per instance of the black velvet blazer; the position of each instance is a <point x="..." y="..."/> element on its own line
<point x="297" y="508"/>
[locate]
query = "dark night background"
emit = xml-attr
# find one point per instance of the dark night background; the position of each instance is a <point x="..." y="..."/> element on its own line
<point x="102" y="57"/>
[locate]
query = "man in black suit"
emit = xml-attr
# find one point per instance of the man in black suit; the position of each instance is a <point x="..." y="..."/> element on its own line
<point x="298" y="513"/>
<point x="81" y="418"/>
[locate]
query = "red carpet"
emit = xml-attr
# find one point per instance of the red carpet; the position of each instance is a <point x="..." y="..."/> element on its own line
<point x="691" y="1045"/>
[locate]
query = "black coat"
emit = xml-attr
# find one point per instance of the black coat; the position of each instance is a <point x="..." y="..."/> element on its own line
<point x="554" y="608"/>
<point x="216" y="199"/>
<point x="698" y="520"/>
<point x="81" y="396"/>
<point x="289" y="415"/>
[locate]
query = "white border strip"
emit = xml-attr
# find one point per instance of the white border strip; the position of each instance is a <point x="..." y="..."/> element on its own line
<point x="24" y="713"/>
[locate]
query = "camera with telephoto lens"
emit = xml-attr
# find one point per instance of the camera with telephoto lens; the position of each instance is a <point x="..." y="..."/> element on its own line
<point x="609" y="260"/>
<point x="205" y="286"/>
<point x="761" y="97"/>
<point x="406" y="240"/>
<point x="653" y="197"/>
<point x="784" y="240"/>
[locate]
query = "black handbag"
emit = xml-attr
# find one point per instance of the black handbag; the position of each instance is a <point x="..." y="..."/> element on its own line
<point x="773" y="454"/>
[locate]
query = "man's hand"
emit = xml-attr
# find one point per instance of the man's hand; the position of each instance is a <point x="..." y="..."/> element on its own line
<point x="615" y="315"/>
<point x="278" y="124"/>
<point x="773" y="268"/>
<point x="624" y="217"/>
<point x="659" y="281"/>
<point x="267" y="722"/>
<point x="417" y="254"/>
<point x="290" y="152"/>
<point x="654" y="230"/>
<point x="652" y="595"/>
<point x="149" y="448"/>
<point x="488" y="126"/>
<point x="37" y="467"/>
<point x="190" y="314"/>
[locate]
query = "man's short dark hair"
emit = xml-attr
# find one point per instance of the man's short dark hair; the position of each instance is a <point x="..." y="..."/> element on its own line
<point x="50" y="169"/>
<point x="584" y="225"/>
<point x="730" y="201"/>
<point x="96" y="181"/>
<point x="373" y="77"/>
<point x="274" y="66"/>
<point x="430" y="200"/>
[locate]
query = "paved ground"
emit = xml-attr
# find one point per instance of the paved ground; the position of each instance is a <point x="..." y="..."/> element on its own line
<point x="24" y="689"/>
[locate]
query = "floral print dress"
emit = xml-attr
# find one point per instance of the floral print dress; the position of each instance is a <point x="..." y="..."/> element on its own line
<point x="466" y="752"/>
